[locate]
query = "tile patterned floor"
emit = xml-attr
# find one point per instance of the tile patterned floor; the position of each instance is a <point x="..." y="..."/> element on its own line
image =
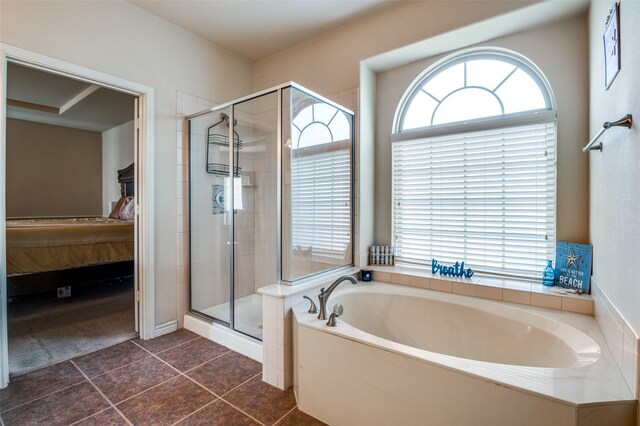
<point x="179" y="378"/>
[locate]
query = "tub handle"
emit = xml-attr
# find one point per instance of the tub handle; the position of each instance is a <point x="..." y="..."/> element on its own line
<point x="337" y="311"/>
<point x="313" y="309"/>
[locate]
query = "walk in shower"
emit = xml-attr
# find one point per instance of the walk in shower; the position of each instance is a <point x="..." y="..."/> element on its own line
<point x="270" y="191"/>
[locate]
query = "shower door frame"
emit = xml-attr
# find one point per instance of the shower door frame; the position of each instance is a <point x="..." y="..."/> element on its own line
<point x="230" y="105"/>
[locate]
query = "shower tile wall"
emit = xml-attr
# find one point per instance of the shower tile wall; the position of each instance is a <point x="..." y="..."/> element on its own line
<point x="256" y="223"/>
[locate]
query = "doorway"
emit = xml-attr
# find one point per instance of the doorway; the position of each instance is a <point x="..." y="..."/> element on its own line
<point x="70" y="191"/>
<point x="142" y="292"/>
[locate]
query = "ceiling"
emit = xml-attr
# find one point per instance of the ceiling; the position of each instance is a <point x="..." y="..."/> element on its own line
<point x="35" y="95"/>
<point x="258" y="28"/>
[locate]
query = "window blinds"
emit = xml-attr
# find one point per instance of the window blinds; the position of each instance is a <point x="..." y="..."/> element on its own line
<point x="485" y="197"/>
<point x="320" y="199"/>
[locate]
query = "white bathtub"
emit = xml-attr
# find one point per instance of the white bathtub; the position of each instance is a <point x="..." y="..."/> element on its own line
<point x="407" y="356"/>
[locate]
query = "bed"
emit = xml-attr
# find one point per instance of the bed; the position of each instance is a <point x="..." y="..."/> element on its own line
<point x="44" y="254"/>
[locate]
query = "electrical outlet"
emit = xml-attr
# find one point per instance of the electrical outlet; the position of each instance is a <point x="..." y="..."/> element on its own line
<point x="64" y="292"/>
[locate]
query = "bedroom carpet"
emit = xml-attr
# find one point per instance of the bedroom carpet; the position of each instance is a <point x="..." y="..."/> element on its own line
<point x="44" y="330"/>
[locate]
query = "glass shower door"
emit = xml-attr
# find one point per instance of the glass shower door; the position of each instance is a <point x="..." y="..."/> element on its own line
<point x="209" y="215"/>
<point x="255" y="263"/>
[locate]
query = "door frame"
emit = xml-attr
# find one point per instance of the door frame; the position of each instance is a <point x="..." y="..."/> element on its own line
<point x="145" y="171"/>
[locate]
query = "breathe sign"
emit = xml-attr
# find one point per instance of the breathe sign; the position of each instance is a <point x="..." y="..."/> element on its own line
<point x="457" y="270"/>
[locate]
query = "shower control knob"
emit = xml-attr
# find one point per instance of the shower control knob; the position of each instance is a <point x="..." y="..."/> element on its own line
<point x="313" y="309"/>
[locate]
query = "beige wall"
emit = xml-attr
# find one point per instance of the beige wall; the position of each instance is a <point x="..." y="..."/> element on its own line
<point x="615" y="172"/>
<point x="117" y="153"/>
<point x="52" y="171"/>
<point x="117" y="38"/>
<point x="330" y="63"/>
<point x="566" y="68"/>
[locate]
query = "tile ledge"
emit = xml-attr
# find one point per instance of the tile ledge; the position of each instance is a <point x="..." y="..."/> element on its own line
<point x="484" y="281"/>
<point x="284" y="290"/>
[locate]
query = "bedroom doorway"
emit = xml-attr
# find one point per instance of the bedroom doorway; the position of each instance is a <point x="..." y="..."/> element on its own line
<point x="114" y="271"/>
<point x="70" y="228"/>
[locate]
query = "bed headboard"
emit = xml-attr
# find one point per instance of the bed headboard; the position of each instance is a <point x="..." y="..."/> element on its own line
<point x="126" y="179"/>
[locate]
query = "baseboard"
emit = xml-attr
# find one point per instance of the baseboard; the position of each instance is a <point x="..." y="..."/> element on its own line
<point x="223" y="335"/>
<point x="621" y="338"/>
<point x="167" y="327"/>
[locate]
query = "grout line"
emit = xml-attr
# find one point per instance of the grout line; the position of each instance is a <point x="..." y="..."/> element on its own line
<point x="205" y="388"/>
<point x="103" y="395"/>
<point x="288" y="412"/>
<point x="180" y="373"/>
<point x="206" y="362"/>
<point x="242" y="411"/>
<point x="172" y="347"/>
<point x="192" y="368"/>
<point x="44" y="396"/>
<point x="248" y="380"/>
<point x="91" y="415"/>
<point x="199" y="409"/>
<point x="118" y="368"/>
<point x="146" y="390"/>
<point x="202" y="386"/>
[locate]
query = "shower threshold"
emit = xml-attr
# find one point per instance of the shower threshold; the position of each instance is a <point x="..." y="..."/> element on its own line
<point x="248" y="314"/>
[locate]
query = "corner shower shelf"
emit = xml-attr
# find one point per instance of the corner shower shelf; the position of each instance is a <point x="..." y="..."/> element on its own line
<point x="222" y="169"/>
<point x="221" y="141"/>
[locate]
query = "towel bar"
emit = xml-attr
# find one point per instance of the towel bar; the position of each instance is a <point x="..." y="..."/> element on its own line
<point x="626" y="121"/>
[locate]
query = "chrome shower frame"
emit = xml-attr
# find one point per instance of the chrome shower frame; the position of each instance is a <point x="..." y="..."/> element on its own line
<point x="279" y="89"/>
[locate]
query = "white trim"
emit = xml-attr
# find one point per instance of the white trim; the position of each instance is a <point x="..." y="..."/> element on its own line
<point x="499" y="122"/>
<point x="166" y="328"/>
<point x="4" y="351"/>
<point x="506" y="55"/>
<point x="225" y="336"/>
<point x="145" y="174"/>
<point x="77" y="98"/>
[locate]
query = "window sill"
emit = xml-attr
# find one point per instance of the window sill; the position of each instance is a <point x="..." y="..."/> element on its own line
<point x="506" y="290"/>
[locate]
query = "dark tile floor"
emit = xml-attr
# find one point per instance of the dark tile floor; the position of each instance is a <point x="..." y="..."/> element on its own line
<point x="178" y="378"/>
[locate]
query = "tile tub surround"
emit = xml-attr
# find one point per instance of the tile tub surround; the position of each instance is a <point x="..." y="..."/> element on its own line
<point x="622" y="339"/>
<point x="508" y="290"/>
<point x="150" y="383"/>
<point x="277" y="301"/>
<point x="414" y="386"/>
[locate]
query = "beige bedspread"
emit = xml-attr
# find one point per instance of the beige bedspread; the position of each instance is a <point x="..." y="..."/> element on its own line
<point x="40" y="245"/>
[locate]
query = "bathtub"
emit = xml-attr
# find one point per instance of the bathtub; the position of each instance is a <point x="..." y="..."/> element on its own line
<point x="408" y="356"/>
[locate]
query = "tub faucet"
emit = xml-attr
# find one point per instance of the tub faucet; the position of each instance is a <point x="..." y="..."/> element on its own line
<point x="323" y="297"/>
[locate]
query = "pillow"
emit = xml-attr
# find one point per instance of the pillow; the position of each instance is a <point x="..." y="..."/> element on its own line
<point x="122" y="204"/>
<point x="128" y="210"/>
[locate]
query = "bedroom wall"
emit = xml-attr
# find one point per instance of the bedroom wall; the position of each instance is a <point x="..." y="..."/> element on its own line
<point x="117" y="153"/>
<point x="120" y="39"/>
<point x="52" y="171"/>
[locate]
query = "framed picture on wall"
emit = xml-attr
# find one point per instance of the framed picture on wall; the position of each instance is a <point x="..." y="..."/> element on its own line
<point x="611" y="42"/>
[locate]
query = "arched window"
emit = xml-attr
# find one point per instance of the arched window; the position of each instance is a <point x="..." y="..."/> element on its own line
<point x="319" y="124"/>
<point x="474" y="170"/>
<point x="321" y="143"/>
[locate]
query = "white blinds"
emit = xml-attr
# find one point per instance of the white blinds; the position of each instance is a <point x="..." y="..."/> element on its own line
<point x="320" y="198"/>
<point x="485" y="197"/>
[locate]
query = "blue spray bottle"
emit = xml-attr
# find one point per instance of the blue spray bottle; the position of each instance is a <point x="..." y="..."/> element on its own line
<point x="549" y="274"/>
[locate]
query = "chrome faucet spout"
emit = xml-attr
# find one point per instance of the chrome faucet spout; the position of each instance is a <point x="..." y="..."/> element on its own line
<point x="323" y="297"/>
